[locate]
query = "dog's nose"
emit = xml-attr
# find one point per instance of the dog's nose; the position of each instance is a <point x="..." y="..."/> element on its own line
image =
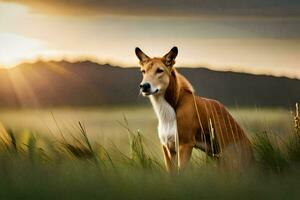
<point x="145" y="87"/>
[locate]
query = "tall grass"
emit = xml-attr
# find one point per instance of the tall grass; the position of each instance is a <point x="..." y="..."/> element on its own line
<point x="275" y="153"/>
<point x="75" y="168"/>
<point x="293" y="146"/>
<point x="268" y="153"/>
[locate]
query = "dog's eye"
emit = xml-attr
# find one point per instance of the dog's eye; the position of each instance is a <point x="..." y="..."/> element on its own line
<point x="158" y="71"/>
<point x="143" y="71"/>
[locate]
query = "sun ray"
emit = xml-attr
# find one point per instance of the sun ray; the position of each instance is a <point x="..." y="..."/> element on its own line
<point x="63" y="70"/>
<point x="24" y="93"/>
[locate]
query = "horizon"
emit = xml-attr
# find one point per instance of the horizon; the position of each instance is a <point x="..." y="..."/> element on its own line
<point x="262" y="37"/>
<point x="98" y="62"/>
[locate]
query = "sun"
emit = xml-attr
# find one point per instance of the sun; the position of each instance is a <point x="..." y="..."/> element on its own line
<point x="16" y="48"/>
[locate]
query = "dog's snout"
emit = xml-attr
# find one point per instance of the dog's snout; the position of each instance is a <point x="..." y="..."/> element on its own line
<point x="145" y="87"/>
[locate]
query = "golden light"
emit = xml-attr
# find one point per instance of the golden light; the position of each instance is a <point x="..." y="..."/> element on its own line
<point x="22" y="88"/>
<point x="16" y="48"/>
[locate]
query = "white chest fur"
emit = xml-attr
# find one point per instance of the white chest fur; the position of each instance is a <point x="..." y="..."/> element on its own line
<point x="167" y="124"/>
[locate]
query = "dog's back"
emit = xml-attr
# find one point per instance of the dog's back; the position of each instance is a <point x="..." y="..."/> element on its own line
<point x="230" y="142"/>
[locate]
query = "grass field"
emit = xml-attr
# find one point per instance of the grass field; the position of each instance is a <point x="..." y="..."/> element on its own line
<point x="103" y="124"/>
<point x="115" y="153"/>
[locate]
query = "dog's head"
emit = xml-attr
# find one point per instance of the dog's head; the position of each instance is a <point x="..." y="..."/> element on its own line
<point x="156" y="71"/>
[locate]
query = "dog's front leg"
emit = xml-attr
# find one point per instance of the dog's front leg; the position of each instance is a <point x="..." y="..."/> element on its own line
<point x="185" y="152"/>
<point x="170" y="158"/>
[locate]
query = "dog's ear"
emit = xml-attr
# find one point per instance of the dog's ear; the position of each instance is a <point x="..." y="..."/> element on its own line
<point x="141" y="55"/>
<point x="169" y="58"/>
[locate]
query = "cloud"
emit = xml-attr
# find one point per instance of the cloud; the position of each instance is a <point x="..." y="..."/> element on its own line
<point x="200" y="8"/>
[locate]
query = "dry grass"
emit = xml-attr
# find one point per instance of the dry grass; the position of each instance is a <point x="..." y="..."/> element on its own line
<point x="75" y="166"/>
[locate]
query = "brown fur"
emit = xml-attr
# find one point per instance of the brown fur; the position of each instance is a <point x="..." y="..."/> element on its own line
<point x="230" y="142"/>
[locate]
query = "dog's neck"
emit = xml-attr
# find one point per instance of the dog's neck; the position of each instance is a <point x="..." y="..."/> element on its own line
<point x="172" y="93"/>
<point x="178" y="86"/>
<point x="165" y="106"/>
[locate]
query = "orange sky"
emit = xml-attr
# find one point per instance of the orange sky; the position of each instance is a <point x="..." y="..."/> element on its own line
<point x="239" y="41"/>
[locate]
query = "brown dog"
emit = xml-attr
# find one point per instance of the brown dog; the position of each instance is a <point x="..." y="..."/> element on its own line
<point x="199" y="122"/>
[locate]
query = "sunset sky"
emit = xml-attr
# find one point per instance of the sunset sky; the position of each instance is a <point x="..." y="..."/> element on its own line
<point x="258" y="36"/>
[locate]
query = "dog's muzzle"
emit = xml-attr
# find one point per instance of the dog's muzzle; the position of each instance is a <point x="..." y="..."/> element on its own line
<point x="145" y="87"/>
<point x="146" y="90"/>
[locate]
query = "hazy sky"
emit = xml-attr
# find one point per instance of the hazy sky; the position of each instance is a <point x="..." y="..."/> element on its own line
<point x="259" y="36"/>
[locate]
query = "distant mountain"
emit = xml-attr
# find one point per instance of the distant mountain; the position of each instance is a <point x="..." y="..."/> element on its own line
<point x="88" y="84"/>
